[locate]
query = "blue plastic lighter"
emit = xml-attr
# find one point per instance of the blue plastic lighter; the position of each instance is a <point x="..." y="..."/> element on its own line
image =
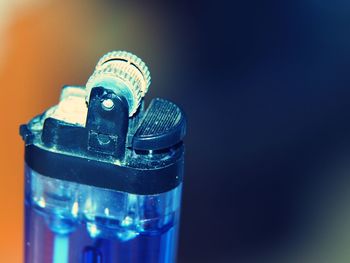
<point x="103" y="175"/>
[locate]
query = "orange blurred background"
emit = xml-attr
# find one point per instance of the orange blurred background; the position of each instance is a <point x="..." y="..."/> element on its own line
<point x="46" y="44"/>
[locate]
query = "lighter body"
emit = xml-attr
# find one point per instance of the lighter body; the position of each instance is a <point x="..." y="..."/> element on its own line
<point x="103" y="175"/>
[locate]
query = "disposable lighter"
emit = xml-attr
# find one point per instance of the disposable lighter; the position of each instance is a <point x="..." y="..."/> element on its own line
<point x="103" y="175"/>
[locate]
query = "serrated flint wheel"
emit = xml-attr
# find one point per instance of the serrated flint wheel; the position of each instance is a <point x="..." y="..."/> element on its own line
<point x="124" y="73"/>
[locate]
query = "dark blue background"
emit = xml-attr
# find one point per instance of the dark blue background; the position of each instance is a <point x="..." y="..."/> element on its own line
<point x="265" y="85"/>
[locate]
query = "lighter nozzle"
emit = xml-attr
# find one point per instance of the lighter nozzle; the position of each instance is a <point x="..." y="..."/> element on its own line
<point x="123" y="73"/>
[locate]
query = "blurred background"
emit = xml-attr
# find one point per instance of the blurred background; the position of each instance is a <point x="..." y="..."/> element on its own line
<point x="265" y="85"/>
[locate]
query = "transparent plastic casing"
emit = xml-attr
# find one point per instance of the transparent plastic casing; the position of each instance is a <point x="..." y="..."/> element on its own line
<point x="67" y="222"/>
